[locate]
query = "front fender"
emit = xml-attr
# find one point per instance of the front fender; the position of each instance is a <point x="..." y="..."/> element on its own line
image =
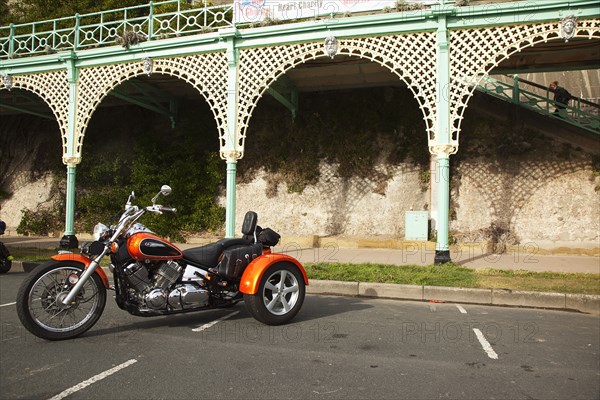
<point x="86" y="263"/>
<point x="256" y="269"/>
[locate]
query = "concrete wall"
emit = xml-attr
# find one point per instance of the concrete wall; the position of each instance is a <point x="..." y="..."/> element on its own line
<point x="548" y="204"/>
<point x="336" y="206"/>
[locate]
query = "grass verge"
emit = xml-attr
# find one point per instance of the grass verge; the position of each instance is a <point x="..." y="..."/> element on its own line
<point x="40" y="255"/>
<point x="447" y="275"/>
<point x="33" y="254"/>
<point x="456" y="276"/>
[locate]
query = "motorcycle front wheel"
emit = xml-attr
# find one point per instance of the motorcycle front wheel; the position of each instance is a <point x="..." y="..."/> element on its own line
<point x="40" y="307"/>
<point x="280" y="295"/>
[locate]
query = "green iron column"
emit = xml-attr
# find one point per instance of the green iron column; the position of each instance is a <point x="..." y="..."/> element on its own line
<point x="442" y="249"/>
<point x="71" y="159"/>
<point x="69" y="240"/>
<point x="230" y="199"/>
<point x="230" y="151"/>
<point x="442" y="147"/>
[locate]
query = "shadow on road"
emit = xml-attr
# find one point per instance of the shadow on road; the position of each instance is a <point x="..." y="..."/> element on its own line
<point x="313" y="309"/>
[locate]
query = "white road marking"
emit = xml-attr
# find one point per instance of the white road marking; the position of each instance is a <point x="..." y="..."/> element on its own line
<point x="461" y="309"/>
<point x="93" y="379"/>
<point x="7" y="304"/>
<point x="486" y="345"/>
<point x="210" y="324"/>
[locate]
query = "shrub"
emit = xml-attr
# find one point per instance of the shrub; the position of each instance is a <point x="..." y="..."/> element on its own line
<point x="38" y="222"/>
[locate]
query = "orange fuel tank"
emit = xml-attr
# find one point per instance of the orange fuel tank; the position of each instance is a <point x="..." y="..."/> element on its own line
<point x="147" y="246"/>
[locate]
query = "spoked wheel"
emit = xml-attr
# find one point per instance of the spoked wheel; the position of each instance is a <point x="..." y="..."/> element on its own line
<point x="280" y="295"/>
<point x="40" y="307"/>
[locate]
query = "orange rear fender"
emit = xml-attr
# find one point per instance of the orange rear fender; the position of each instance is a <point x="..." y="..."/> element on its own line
<point x="86" y="263"/>
<point x="256" y="269"/>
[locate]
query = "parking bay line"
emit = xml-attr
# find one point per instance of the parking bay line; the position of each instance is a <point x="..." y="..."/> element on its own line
<point x="93" y="379"/>
<point x="487" y="347"/>
<point x="216" y="321"/>
<point x="461" y="309"/>
<point x="7" y="304"/>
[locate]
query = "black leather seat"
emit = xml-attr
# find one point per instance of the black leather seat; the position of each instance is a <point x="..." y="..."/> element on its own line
<point x="208" y="255"/>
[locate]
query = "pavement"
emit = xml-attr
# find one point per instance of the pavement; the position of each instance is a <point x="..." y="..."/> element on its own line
<point x="474" y="256"/>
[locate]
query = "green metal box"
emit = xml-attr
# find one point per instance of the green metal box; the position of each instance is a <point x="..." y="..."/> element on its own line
<point x="417" y="225"/>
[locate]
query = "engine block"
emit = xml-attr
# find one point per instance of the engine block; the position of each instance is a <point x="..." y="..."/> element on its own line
<point x="137" y="275"/>
<point x="167" y="274"/>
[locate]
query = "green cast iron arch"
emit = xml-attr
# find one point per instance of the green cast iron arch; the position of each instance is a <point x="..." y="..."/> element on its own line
<point x="53" y="89"/>
<point x="95" y="84"/>
<point x="260" y="67"/>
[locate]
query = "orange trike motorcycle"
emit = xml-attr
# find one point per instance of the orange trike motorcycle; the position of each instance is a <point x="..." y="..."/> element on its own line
<point x="65" y="297"/>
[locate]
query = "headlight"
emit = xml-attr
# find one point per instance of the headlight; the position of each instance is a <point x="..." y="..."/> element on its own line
<point x="100" y="231"/>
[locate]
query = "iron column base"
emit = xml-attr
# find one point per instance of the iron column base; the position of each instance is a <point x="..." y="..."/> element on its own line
<point x="69" y="242"/>
<point x="442" y="257"/>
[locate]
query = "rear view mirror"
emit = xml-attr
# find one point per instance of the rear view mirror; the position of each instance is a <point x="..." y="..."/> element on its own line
<point x="165" y="190"/>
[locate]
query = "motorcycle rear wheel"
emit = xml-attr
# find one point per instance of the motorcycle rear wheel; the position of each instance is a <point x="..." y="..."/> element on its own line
<point x="39" y="305"/>
<point x="280" y="295"/>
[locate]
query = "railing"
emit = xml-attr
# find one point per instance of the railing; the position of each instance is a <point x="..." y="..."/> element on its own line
<point x="579" y="112"/>
<point x="123" y="26"/>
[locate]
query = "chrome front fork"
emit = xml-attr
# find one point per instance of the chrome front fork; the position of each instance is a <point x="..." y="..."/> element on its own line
<point x="84" y="277"/>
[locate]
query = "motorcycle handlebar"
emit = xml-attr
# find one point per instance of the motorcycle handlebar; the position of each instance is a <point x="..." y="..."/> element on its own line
<point x="160" y="209"/>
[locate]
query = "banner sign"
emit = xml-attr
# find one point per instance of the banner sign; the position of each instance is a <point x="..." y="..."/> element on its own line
<point x="250" y="11"/>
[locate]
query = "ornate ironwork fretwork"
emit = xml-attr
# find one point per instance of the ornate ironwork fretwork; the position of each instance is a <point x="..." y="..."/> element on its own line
<point x="53" y="88"/>
<point x="206" y="72"/>
<point x="260" y="67"/>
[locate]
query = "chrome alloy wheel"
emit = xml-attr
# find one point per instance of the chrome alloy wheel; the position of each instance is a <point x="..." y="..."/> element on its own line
<point x="281" y="292"/>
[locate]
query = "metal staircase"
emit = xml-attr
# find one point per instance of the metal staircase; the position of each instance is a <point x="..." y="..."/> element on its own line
<point x="530" y="95"/>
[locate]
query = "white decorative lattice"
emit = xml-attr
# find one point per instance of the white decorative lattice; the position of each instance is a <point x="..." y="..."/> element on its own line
<point x="206" y="72"/>
<point x="475" y="52"/>
<point x="53" y="88"/>
<point x="412" y="57"/>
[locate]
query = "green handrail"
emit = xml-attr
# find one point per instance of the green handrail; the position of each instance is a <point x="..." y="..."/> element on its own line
<point x="155" y="20"/>
<point x="579" y="112"/>
<point x="152" y="21"/>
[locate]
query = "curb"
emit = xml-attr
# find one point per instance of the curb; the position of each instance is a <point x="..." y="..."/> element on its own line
<point x="584" y="303"/>
<point x="589" y="304"/>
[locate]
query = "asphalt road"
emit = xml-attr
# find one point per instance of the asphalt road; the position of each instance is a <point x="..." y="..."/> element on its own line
<point x="336" y="348"/>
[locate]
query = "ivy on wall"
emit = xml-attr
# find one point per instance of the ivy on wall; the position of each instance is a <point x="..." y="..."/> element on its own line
<point x="143" y="153"/>
<point x="357" y="130"/>
<point x="129" y="149"/>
